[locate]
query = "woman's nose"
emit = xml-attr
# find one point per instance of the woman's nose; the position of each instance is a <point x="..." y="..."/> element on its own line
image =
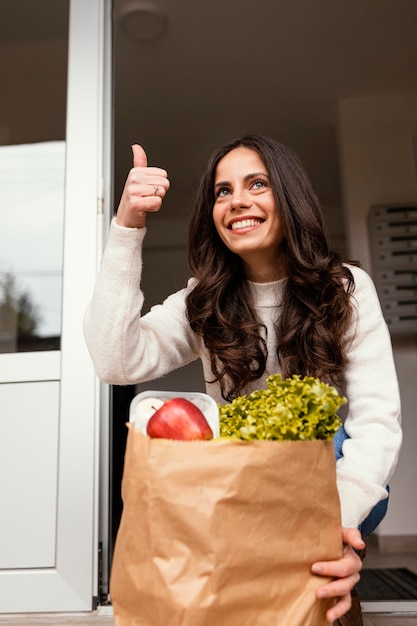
<point x="240" y="199"/>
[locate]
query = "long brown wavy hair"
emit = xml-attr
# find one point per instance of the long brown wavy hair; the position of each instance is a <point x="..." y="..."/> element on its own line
<point x="316" y="309"/>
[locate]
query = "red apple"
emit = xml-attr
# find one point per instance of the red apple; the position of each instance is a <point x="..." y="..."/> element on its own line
<point x="179" y="418"/>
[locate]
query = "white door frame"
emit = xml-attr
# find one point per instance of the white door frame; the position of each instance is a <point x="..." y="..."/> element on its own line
<point x="72" y="583"/>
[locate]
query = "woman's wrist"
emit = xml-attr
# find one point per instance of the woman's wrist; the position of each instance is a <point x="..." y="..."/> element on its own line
<point x="138" y="222"/>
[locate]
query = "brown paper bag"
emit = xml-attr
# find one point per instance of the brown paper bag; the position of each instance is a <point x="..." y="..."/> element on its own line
<point x="223" y="533"/>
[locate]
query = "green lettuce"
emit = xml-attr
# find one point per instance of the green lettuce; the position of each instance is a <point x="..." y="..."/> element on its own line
<point x="289" y="409"/>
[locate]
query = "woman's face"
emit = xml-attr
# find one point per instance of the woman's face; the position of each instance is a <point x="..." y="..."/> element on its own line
<point x="245" y="215"/>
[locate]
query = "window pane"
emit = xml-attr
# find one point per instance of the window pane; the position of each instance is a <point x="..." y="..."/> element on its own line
<point x="33" y="74"/>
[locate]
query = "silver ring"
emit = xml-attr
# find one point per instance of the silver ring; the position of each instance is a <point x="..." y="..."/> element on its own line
<point x="155" y="189"/>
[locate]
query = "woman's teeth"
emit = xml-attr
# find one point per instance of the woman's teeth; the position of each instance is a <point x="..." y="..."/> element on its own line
<point x="245" y="224"/>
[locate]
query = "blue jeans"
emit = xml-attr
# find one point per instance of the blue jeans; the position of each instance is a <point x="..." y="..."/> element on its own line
<point x="379" y="511"/>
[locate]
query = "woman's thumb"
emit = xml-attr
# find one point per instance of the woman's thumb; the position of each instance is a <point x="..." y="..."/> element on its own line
<point x="139" y="156"/>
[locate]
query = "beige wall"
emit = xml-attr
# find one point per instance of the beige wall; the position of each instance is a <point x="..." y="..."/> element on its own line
<point x="378" y="166"/>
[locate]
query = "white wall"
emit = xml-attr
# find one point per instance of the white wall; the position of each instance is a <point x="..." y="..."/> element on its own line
<point x="378" y="166"/>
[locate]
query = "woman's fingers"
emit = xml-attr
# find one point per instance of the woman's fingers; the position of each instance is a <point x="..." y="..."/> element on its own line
<point x="352" y="537"/>
<point x="340" y="608"/>
<point x="144" y="190"/>
<point x="344" y="573"/>
<point x="146" y="181"/>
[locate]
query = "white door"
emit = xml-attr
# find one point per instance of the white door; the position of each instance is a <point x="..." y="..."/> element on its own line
<point x="52" y="166"/>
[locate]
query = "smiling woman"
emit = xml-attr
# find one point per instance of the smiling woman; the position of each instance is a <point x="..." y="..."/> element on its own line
<point x="266" y="296"/>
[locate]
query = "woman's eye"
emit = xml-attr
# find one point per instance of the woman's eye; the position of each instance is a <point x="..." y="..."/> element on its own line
<point x="259" y="184"/>
<point x="222" y="192"/>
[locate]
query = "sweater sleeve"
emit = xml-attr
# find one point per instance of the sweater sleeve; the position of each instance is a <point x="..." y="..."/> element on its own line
<point x="373" y="418"/>
<point x="125" y="347"/>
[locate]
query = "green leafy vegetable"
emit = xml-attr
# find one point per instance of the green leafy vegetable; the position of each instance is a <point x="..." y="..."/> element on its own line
<point x="291" y="409"/>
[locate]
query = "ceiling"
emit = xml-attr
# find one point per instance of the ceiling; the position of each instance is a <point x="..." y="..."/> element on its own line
<point x="278" y="67"/>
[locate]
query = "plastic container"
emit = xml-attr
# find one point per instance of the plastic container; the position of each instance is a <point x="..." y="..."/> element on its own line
<point x="206" y="405"/>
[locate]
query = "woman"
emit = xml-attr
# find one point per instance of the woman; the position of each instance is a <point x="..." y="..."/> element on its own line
<point x="267" y="296"/>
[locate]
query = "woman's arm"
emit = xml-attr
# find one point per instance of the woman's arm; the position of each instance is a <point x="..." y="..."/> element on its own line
<point x="373" y="420"/>
<point x="125" y="347"/>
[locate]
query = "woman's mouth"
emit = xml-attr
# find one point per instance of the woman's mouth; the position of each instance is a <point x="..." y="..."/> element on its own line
<point x="245" y="223"/>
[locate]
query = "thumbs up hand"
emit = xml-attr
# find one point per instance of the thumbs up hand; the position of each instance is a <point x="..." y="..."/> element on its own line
<point x="144" y="190"/>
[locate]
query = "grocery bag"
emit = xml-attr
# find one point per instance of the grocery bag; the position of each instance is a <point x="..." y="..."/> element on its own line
<point x="224" y="532"/>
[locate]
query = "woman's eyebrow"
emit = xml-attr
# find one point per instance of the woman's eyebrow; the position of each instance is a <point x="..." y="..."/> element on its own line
<point x="225" y="183"/>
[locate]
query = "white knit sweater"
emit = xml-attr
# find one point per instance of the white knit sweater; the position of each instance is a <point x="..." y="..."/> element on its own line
<point x="128" y="349"/>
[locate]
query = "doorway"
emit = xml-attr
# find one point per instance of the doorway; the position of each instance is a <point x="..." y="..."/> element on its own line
<point x="187" y="78"/>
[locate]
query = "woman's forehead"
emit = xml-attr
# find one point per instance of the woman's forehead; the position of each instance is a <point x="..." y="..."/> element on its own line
<point x="240" y="161"/>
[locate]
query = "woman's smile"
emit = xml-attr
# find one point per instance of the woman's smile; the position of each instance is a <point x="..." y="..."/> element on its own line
<point x="244" y="224"/>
